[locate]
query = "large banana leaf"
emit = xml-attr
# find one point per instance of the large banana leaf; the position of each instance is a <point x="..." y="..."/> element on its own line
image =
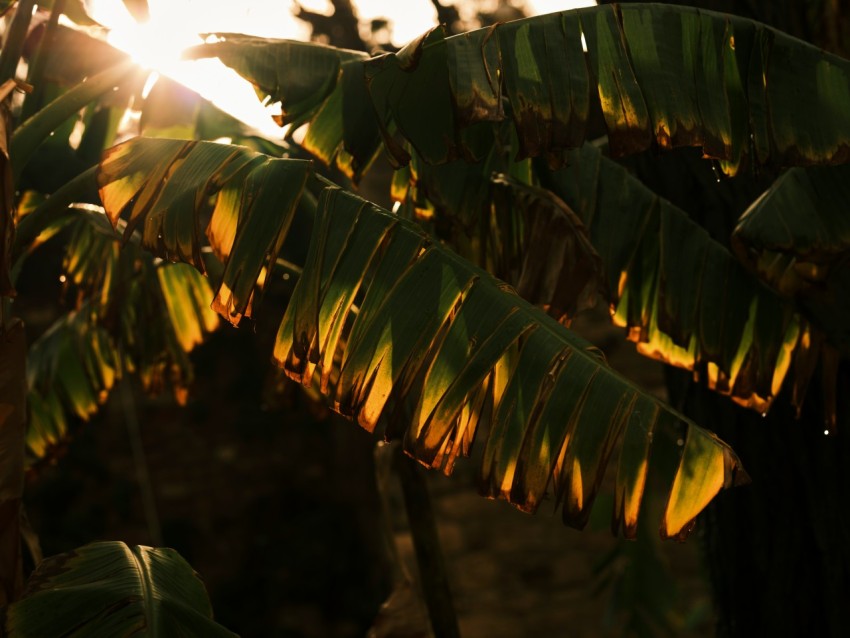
<point x="109" y="589"/>
<point x="75" y="55"/>
<point x="398" y="331"/>
<point x="682" y="296"/>
<point x="662" y="76"/>
<point x="796" y="236"/>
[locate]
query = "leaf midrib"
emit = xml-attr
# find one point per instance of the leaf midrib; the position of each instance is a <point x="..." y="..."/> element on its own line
<point x="150" y="608"/>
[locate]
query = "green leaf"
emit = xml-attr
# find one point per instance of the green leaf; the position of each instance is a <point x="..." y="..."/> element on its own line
<point x="70" y="370"/>
<point x="313" y="83"/>
<point x="397" y="331"/>
<point x="192" y="172"/>
<point x="682" y="296"/>
<point x="137" y="316"/>
<point x="110" y="589"/>
<point x="299" y="75"/>
<point x="75" y="55"/>
<point x="662" y="76"/>
<point x="796" y="236"/>
<point x="36" y="129"/>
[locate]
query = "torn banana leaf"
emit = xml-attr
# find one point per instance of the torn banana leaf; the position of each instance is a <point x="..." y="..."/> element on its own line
<point x="796" y="236"/>
<point x="397" y="331"/>
<point x="110" y="589"/>
<point x="662" y="76"/>
<point x="132" y="315"/>
<point x="682" y="296"/>
<point x="313" y="83"/>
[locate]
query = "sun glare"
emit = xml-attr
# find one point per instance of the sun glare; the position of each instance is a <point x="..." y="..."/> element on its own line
<point x="175" y="25"/>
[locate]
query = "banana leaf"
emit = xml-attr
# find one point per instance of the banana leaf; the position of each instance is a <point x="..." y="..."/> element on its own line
<point x="134" y="316"/>
<point x="109" y="589"/>
<point x="661" y="76"/>
<point x="796" y="237"/>
<point x="402" y="335"/>
<point x="682" y="296"/>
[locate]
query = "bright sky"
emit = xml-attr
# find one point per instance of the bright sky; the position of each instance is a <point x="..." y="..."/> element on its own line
<point x="175" y="24"/>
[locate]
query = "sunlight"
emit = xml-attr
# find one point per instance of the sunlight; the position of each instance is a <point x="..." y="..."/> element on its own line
<point x="156" y="44"/>
<point x="175" y="25"/>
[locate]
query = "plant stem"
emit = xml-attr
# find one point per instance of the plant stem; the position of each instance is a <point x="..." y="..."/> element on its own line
<point x="429" y="557"/>
<point x="385" y="459"/>
<point x="128" y="406"/>
<point x="14" y="44"/>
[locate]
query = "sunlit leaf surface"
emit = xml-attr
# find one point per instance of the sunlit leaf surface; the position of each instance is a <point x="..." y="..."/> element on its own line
<point x="110" y="589"/>
<point x="682" y="296"/>
<point x="402" y="335"/>
<point x="662" y="76"/>
<point x="313" y="83"/>
<point x="126" y="323"/>
<point x="138" y="9"/>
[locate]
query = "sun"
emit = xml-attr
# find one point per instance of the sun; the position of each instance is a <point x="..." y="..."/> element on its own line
<point x="176" y="25"/>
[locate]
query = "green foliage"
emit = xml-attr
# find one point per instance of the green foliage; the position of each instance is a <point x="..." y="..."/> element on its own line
<point x="110" y="589"/>
<point x="487" y="131"/>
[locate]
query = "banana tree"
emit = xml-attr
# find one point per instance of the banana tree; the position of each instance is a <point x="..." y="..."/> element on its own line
<point x="397" y="330"/>
<point x="406" y="336"/>
<point x="757" y="315"/>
